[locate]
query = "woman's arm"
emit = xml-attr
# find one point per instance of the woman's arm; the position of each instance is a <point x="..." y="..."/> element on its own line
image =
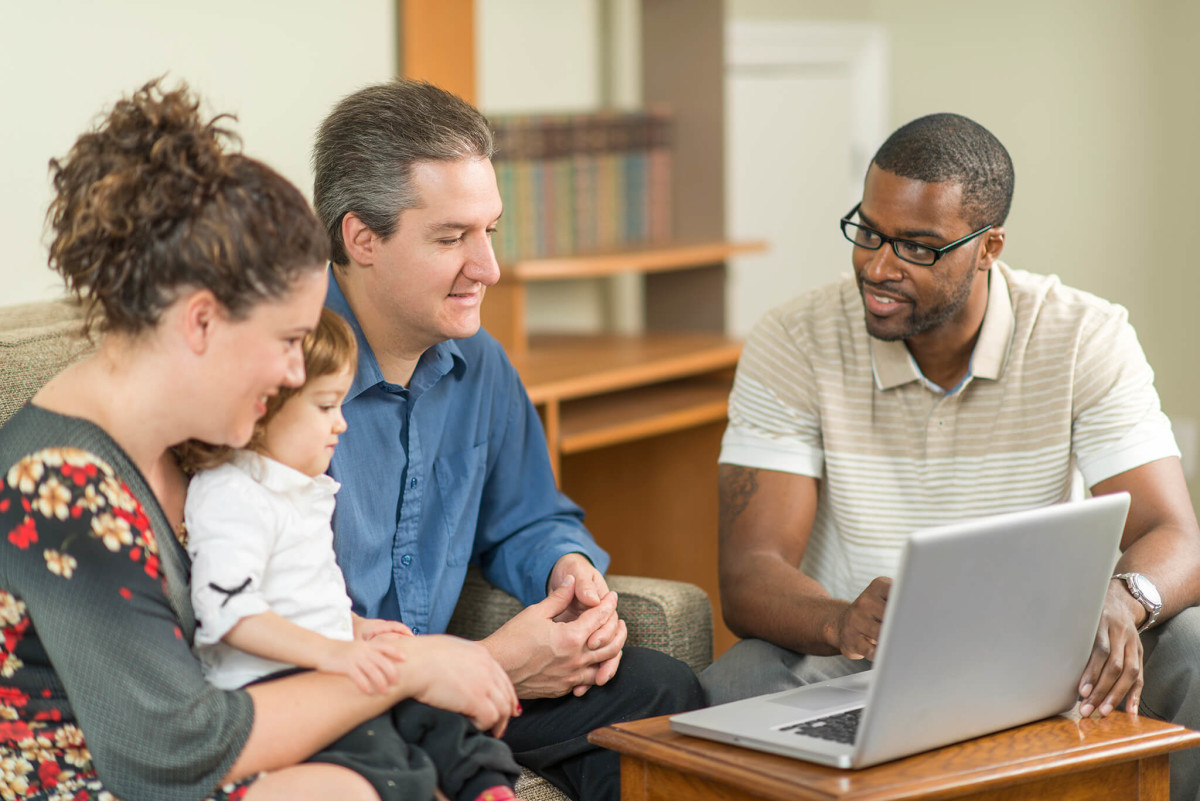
<point x="297" y="715"/>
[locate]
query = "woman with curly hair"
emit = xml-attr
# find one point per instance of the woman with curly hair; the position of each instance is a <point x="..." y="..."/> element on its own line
<point x="201" y="271"/>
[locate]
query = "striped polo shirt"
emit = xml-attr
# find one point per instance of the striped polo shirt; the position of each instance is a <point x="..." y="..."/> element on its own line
<point x="1058" y="396"/>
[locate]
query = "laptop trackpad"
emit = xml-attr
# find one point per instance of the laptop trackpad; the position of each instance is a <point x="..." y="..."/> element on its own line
<point x="814" y="698"/>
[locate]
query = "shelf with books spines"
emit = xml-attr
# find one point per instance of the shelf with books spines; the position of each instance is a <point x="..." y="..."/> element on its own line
<point x="582" y="182"/>
<point x="589" y="196"/>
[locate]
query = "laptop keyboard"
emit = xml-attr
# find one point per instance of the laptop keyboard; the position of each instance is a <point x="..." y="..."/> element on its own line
<point x="839" y="728"/>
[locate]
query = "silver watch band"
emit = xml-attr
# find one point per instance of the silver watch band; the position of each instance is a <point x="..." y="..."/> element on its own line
<point x="1152" y="605"/>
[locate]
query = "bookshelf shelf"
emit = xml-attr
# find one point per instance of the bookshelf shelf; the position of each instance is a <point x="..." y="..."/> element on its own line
<point x="679" y="256"/>
<point x="565" y="367"/>
<point x="605" y="420"/>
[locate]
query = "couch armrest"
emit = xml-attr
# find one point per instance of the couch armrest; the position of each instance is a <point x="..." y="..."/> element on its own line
<point x="670" y="616"/>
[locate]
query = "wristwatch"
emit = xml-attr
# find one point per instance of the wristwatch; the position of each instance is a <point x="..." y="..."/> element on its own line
<point x="1145" y="593"/>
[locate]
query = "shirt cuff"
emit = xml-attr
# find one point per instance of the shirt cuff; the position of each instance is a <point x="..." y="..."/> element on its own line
<point x="743" y="447"/>
<point x="1146" y="442"/>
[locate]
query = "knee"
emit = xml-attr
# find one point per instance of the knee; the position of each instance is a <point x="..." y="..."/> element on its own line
<point x="1175" y="645"/>
<point x="750" y="667"/>
<point x="662" y="683"/>
<point x="1172" y="669"/>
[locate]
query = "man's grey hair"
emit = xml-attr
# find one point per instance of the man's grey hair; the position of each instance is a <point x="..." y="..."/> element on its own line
<point x="367" y="146"/>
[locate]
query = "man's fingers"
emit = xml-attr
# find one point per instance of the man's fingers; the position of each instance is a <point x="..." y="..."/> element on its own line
<point x="559" y="599"/>
<point x="605" y="634"/>
<point x="595" y="617"/>
<point x="606" y="671"/>
<point x="587" y="592"/>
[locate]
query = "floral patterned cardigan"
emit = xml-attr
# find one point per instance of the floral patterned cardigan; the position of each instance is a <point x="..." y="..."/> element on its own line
<point x="100" y="696"/>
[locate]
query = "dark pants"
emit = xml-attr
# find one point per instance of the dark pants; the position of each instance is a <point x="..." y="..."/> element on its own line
<point x="550" y="738"/>
<point x="406" y="753"/>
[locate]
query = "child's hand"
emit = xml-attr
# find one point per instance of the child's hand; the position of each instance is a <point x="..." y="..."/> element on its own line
<point x="368" y="628"/>
<point x="370" y="665"/>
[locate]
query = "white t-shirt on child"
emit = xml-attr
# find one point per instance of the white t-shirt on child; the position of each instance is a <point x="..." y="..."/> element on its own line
<point x="260" y="539"/>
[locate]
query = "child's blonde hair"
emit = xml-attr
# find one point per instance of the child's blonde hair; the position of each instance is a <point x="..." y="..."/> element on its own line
<point x="329" y="349"/>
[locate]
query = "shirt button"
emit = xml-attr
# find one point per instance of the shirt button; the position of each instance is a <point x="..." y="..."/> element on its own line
<point x="406" y="560"/>
<point x="412" y="484"/>
<point x="416" y="630"/>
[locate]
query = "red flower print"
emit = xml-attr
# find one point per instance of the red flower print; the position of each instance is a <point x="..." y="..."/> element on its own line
<point x="12" y="636"/>
<point x="13" y="697"/>
<point x="178" y="633"/>
<point x="23" y="535"/>
<point x="4" y="504"/>
<point x="48" y="772"/>
<point x="152" y="566"/>
<point x="14" y="731"/>
<point x="125" y="593"/>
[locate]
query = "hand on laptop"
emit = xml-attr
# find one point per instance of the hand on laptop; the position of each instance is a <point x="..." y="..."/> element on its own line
<point x="860" y="622"/>
<point x="1115" y="667"/>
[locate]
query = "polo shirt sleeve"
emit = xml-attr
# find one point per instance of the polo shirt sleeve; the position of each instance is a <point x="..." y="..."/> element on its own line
<point x="774" y="418"/>
<point x="525" y="523"/>
<point x="1118" y="423"/>
<point x="231" y="536"/>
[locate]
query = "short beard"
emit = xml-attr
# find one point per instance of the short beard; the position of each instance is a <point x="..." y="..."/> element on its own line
<point x="920" y="322"/>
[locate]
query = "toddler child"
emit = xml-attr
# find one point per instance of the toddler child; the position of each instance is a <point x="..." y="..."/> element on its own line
<point x="269" y="596"/>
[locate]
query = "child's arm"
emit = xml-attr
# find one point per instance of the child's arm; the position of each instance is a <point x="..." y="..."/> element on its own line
<point x="366" y="628"/>
<point x="370" y="664"/>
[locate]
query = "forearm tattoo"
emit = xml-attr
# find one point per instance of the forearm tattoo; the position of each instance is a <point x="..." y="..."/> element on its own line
<point x="738" y="486"/>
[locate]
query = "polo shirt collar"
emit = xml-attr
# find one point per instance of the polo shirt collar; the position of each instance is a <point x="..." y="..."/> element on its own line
<point x="894" y="366"/>
<point x="433" y="364"/>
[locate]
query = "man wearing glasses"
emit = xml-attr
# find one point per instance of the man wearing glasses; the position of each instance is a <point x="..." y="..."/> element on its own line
<point x="941" y="384"/>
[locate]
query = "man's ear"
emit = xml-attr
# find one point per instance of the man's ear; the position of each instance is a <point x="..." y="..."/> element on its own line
<point x="360" y="241"/>
<point x="199" y="316"/>
<point x="993" y="245"/>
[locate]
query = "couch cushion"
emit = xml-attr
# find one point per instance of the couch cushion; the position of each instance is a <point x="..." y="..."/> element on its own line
<point x="37" y="340"/>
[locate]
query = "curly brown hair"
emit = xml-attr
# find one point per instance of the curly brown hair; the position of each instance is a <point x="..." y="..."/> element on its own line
<point x="329" y="349"/>
<point x="150" y="201"/>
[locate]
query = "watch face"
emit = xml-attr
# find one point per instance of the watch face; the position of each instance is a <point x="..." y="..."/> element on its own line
<point x="1147" y="589"/>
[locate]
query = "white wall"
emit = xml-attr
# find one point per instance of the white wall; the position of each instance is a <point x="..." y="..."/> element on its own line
<point x="278" y="64"/>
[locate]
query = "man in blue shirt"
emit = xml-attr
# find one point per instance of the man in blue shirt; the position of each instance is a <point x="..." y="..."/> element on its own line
<point x="445" y="463"/>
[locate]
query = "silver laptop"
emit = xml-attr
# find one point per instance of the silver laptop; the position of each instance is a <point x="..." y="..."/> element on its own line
<point x="989" y="625"/>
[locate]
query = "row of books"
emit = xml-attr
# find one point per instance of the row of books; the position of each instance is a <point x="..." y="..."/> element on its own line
<point x="574" y="183"/>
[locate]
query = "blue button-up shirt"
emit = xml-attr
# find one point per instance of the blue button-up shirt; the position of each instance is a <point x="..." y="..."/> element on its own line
<point x="449" y="471"/>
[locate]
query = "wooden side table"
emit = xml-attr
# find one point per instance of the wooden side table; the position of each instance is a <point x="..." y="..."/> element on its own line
<point x="1120" y="757"/>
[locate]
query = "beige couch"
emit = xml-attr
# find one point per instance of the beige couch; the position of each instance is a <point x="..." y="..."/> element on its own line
<point x="39" y="339"/>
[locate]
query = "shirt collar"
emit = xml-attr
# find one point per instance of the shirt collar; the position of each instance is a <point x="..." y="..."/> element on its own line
<point x="894" y="366"/>
<point x="433" y="364"/>
<point x="278" y="477"/>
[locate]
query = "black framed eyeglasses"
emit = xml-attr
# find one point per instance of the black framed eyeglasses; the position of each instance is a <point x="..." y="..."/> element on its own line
<point x="906" y="249"/>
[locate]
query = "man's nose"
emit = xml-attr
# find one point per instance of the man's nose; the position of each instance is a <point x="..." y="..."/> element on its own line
<point x="883" y="265"/>
<point x="482" y="265"/>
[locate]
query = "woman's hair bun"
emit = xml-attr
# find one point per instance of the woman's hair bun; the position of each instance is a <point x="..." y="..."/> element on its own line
<point x="155" y="197"/>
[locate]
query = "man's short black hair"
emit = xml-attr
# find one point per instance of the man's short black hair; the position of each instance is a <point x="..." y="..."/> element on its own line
<point x="942" y="148"/>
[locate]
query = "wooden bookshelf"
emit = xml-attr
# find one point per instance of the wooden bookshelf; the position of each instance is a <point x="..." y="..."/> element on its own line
<point x="598" y="391"/>
<point x="504" y="313"/>
<point x="648" y="259"/>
